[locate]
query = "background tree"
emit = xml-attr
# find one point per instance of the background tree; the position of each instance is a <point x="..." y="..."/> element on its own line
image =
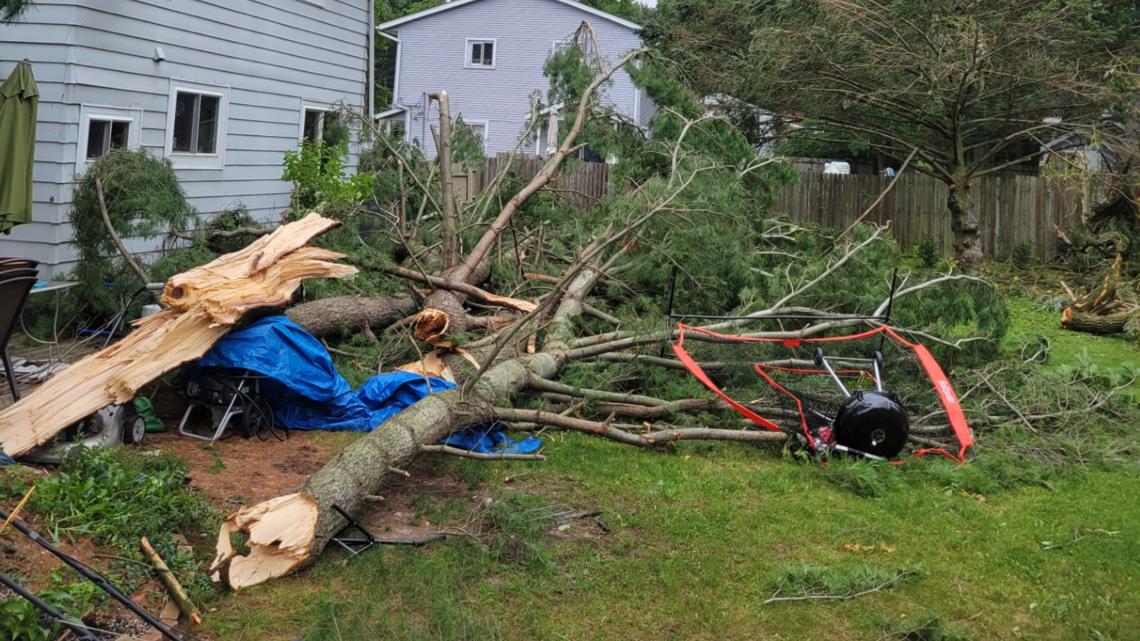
<point x="972" y="87"/>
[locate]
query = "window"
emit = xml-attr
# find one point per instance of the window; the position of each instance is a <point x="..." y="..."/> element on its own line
<point x="105" y="135"/>
<point x="196" y="123"/>
<point x="479" y="131"/>
<point x="322" y="125"/>
<point x="481" y="53"/>
<point x="102" y="129"/>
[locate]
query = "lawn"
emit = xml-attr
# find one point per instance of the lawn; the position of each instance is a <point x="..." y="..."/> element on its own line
<point x="699" y="537"/>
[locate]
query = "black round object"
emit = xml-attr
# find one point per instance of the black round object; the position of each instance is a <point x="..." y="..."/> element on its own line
<point x="134" y="426"/>
<point x="872" y="422"/>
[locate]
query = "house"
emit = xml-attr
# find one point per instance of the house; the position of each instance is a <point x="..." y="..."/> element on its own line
<point x="222" y="88"/>
<point x="489" y="57"/>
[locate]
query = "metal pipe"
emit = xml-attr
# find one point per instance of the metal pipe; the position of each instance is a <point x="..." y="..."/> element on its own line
<point x="878" y="377"/>
<point x="822" y="360"/>
<point x="76" y="627"/>
<point x="93" y="576"/>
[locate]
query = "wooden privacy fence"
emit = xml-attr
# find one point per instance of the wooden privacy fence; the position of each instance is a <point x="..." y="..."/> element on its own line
<point x="1011" y="209"/>
<point x="583" y="183"/>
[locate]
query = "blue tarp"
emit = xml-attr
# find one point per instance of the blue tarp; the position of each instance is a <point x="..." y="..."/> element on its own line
<point x="305" y="389"/>
<point x="307" y="393"/>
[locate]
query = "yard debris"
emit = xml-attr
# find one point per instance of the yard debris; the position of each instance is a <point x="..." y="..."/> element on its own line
<point x="91" y="575"/>
<point x="204" y="302"/>
<point x="1101" y="311"/>
<point x="171" y="582"/>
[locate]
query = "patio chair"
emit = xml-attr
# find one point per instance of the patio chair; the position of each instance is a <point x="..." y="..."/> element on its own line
<point x="14" y="287"/>
<point x="9" y="263"/>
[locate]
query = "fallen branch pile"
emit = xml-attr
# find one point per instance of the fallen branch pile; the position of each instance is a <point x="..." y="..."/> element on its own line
<point x="1101" y="311"/>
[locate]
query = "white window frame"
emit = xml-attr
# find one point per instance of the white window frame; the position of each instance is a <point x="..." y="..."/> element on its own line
<point x="191" y="160"/>
<point x="494" y="53"/>
<point x="307" y="106"/>
<point x="89" y="112"/>
<point x="486" y="124"/>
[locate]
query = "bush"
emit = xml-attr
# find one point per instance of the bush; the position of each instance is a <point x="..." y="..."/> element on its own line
<point x="320" y="179"/>
<point x="928" y="251"/>
<point x="144" y="200"/>
<point x="1023" y="254"/>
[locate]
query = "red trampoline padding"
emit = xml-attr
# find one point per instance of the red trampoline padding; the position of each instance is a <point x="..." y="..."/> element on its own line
<point x="946" y="395"/>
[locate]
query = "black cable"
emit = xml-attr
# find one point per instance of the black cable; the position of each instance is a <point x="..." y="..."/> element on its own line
<point x="76" y="627"/>
<point x="91" y="575"/>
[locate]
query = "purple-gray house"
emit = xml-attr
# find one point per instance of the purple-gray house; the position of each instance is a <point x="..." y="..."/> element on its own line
<point x="489" y="56"/>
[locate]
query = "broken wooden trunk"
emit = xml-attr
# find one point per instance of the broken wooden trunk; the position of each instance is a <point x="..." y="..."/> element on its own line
<point x="203" y="303"/>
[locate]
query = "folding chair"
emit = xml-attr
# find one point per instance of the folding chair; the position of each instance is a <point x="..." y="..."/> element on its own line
<point x="15" y="283"/>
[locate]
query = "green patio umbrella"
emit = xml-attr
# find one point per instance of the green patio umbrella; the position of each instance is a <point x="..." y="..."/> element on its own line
<point x="19" y="98"/>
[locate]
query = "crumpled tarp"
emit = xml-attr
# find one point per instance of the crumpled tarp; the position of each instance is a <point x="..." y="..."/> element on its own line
<point x="304" y="388"/>
<point x="307" y="393"/>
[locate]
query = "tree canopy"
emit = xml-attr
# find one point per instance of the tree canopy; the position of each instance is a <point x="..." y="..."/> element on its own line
<point x="971" y="87"/>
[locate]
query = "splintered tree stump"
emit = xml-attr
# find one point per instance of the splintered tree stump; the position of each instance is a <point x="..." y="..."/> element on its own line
<point x="1101" y="311"/>
<point x="203" y="304"/>
<point x="289" y="532"/>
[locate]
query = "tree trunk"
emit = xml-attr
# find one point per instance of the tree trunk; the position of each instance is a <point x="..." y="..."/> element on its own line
<point x="331" y="316"/>
<point x="964" y="224"/>
<point x="290" y="532"/>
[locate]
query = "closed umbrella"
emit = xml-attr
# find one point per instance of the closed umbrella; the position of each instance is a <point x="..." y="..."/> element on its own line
<point x="19" y="98"/>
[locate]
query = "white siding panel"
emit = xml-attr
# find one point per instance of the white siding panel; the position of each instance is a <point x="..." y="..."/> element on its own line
<point x="273" y="55"/>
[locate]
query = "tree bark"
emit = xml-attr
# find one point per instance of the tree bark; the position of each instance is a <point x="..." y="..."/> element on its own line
<point x="964" y="224"/>
<point x="330" y="316"/>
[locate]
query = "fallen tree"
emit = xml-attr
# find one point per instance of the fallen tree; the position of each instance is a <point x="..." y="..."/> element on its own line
<point x="203" y="304"/>
<point x="694" y="190"/>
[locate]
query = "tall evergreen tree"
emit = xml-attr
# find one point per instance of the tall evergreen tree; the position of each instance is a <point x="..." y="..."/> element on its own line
<point x="972" y="87"/>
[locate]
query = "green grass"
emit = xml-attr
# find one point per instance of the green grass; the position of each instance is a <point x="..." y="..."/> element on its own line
<point x="703" y="535"/>
<point x="1031" y="320"/>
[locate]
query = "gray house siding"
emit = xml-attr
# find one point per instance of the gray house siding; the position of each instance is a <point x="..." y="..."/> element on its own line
<point x="269" y="59"/>
<point x="433" y="52"/>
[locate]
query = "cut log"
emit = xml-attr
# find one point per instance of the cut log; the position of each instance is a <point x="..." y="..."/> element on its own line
<point x="1101" y="311"/>
<point x="204" y="304"/>
<point x="1093" y="324"/>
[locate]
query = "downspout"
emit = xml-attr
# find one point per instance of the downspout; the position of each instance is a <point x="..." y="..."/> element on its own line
<point x="370" y="99"/>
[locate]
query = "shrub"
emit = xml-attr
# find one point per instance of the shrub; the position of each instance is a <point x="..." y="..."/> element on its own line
<point x="1023" y="254"/>
<point x="320" y="178"/>
<point x="144" y="200"/>
<point x="928" y="251"/>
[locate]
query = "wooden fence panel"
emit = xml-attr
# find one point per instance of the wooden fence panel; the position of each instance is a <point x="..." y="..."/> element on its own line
<point x="1011" y="209"/>
<point x="584" y="184"/>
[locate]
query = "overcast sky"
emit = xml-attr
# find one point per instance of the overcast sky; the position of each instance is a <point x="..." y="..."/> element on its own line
<point x="648" y="3"/>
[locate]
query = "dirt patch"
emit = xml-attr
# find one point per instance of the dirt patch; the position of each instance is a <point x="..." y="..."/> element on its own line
<point x="395" y="518"/>
<point x="239" y="471"/>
